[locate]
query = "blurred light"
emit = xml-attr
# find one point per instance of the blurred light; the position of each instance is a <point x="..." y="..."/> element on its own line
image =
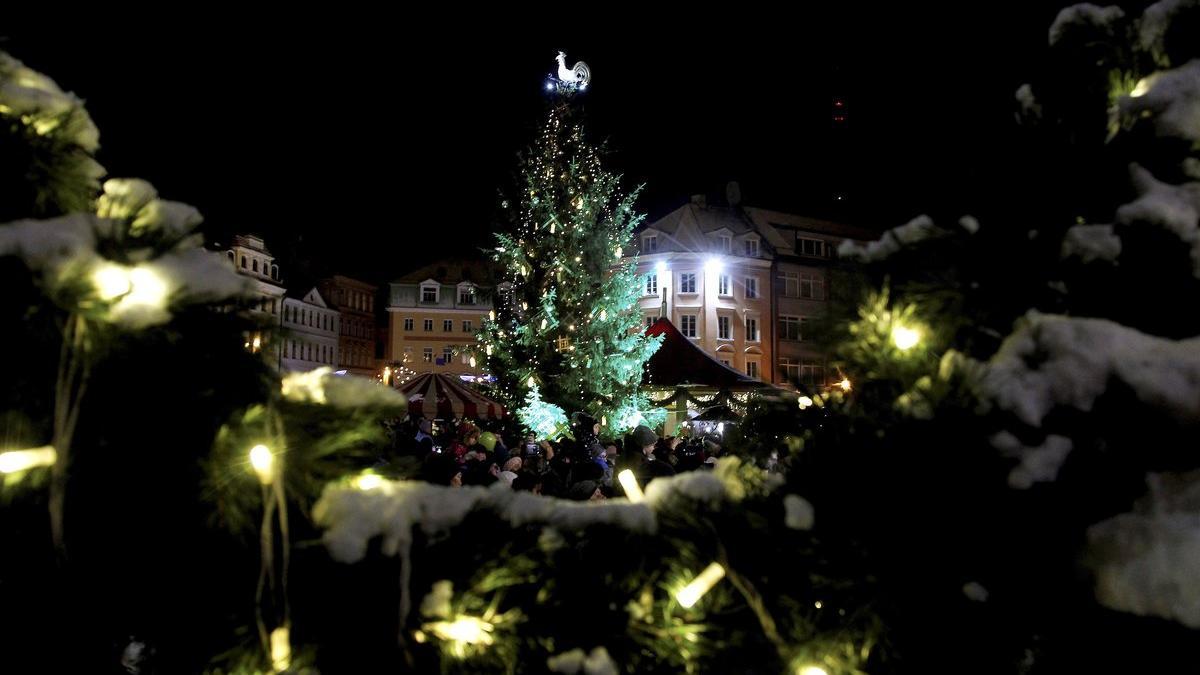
<point x="112" y="281"/>
<point x="147" y="288"/>
<point x="712" y="265"/>
<point x="661" y="268"/>
<point x="492" y="314"/>
<point x="629" y="483"/>
<point x="805" y="402"/>
<point x="689" y="594"/>
<point x="904" y="337"/>
<point x="721" y="428"/>
<point x="263" y="462"/>
<point x="811" y="670"/>
<point x="20" y="460"/>
<point x="368" y="481"/>
<point x="1141" y="88"/>
<point x="845" y="384"/>
<point x="472" y="361"/>
<point x="281" y="650"/>
<point x="530" y="382"/>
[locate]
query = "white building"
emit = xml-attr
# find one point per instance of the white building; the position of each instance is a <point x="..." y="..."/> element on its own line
<point x="310" y="332"/>
<point x="250" y="257"/>
<point x="743" y="283"/>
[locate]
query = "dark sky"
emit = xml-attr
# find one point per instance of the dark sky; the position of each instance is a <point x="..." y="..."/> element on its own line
<point x="368" y="144"/>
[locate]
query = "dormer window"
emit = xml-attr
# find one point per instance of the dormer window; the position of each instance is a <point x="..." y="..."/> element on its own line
<point x="466" y="295"/>
<point x="726" y="243"/>
<point x="429" y="292"/>
<point x="752" y="248"/>
<point x="650" y="243"/>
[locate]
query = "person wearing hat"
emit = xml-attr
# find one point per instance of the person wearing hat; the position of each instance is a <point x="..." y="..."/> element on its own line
<point x="468" y="435"/>
<point x="646" y="465"/>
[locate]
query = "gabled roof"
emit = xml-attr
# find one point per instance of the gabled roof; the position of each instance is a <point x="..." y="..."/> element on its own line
<point x="452" y="271"/>
<point x="679" y="362"/>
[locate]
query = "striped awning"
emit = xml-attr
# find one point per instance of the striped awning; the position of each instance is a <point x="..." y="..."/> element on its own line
<point x="436" y="396"/>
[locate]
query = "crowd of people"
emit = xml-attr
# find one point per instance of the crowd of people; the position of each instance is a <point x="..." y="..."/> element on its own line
<point x="579" y="465"/>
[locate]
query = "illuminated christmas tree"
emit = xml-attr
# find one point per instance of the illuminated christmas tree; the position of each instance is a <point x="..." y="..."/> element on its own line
<point x="566" y="323"/>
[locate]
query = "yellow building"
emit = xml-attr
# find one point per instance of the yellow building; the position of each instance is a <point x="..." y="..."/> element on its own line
<point x="434" y="313"/>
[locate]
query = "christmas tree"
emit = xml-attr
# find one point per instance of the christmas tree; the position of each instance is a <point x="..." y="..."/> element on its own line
<point x="566" y="331"/>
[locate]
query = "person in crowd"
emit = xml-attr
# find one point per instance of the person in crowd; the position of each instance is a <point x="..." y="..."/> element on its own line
<point x="649" y="466"/>
<point x="468" y="436"/>
<point x="424" y="438"/>
<point x="491" y="442"/>
<point x="441" y="469"/>
<point x="481" y="472"/>
<point x="513" y="464"/>
<point x="585" y="490"/>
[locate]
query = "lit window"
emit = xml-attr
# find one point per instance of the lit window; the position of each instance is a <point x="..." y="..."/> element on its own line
<point x="687" y="325"/>
<point x="751" y="288"/>
<point x="466" y="295"/>
<point x="427" y="355"/>
<point x="687" y="282"/>
<point x="652" y="283"/>
<point x="723" y="285"/>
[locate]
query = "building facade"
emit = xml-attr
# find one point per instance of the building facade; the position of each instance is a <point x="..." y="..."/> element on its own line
<point x="354" y="301"/>
<point x="743" y="283"/>
<point x="249" y="257"/>
<point x="310" y="332"/>
<point x="434" y="313"/>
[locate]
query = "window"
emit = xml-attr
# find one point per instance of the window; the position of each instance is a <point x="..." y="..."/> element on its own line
<point x="254" y="264"/>
<point x="466" y="295"/>
<point x="790" y="283"/>
<point x="467" y="327"/>
<point x="447" y="355"/>
<point x="429" y="293"/>
<point x="726" y="363"/>
<point x="790" y="328"/>
<point x="650" y="243"/>
<point x="687" y="325"/>
<point x="751" y="329"/>
<point x="408" y="324"/>
<point x="243" y="262"/>
<point x="273" y="306"/>
<point x="789" y="369"/>
<point x="752" y="248"/>
<point x="428" y="325"/>
<point x="292" y="344"/>
<point x="447" y="325"/>
<point x="652" y="283"/>
<point x="812" y="286"/>
<point x="275" y="272"/>
<point x="723" y="332"/>
<point x="812" y="375"/>
<point x="723" y="285"/>
<point x="650" y="320"/>
<point x="812" y="247"/>
<point x="308" y="352"/>
<point x="427" y="355"/>
<point x="752" y="368"/>
<point x="751" y="288"/>
<point x="726" y="243"/>
<point x="687" y="282"/>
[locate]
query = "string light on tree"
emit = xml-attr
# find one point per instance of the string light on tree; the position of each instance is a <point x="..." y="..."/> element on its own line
<point x="691" y="593"/>
<point x="905" y="337"/>
<point x="263" y="463"/>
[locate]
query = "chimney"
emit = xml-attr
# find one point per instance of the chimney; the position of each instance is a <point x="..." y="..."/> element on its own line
<point x="733" y="193"/>
<point x="699" y="200"/>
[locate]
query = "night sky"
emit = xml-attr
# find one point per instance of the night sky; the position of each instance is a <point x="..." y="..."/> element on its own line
<point x="367" y="145"/>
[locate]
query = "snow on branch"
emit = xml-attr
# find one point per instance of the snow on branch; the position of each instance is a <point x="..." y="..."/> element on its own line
<point x="894" y="240"/>
<point x="1052" y="361"/>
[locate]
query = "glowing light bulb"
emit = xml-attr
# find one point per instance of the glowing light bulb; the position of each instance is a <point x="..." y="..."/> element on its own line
<point x="112" y="281"/>
<point x="368" y="481"/>
<point x="472" y="361"/>
<point x="146" y="288"/>
<point x="1141" y="88"/>
<point x="905" y="338"/>
<point x="530" y="383"/>
<point x="661" y="268"/>
<point x="491" y="315"/>
<point x="281" y="649"/>
<point x="603" y="315"/>
<point x="805" y="402"/>
<point x="543" y="324"/>
<point x="811" y="670"/>
<point x="712" y="265"/>
<point x="629" y="483"/>
<point x="20" y="460"/>
<point x="690" y="594"/>
<point x="263" y="462"/>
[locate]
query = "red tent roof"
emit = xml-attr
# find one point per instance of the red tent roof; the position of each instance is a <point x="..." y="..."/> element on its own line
<point x="434" y="396"/>
<point x="680" y="362"/>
